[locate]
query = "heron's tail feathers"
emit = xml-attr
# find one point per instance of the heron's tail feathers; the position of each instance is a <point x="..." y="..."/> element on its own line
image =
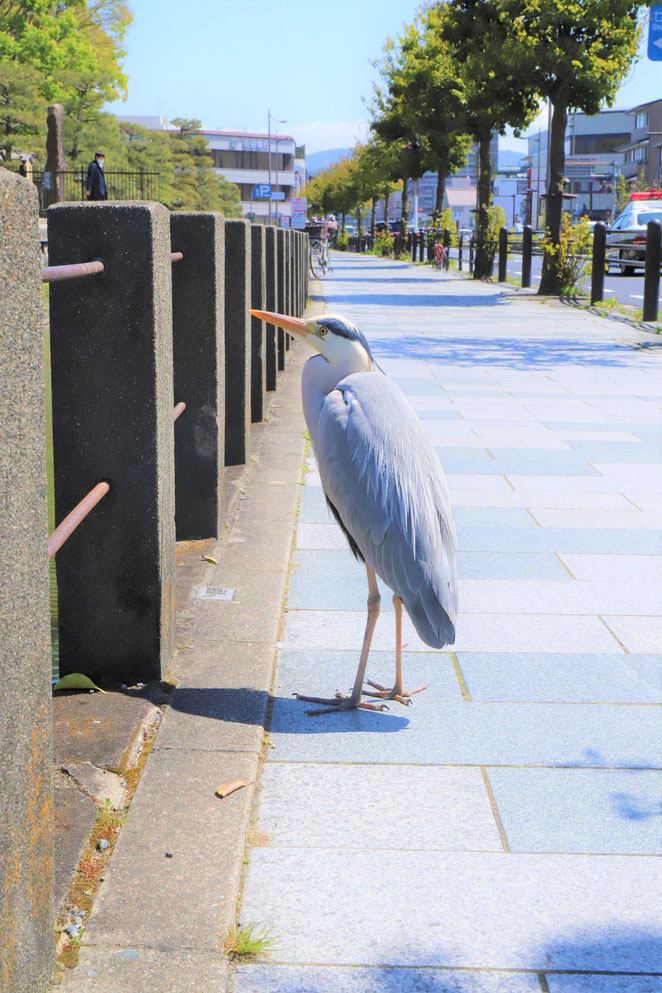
<point x="431" y="621"/>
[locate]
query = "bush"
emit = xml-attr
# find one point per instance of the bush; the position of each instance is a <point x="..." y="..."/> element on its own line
<point x="384" y="244"/>
<point x="446" y="221"/>
<point x="570" y="259"/>
<point x="496" y="220"/>
<point x="342" y="241"/>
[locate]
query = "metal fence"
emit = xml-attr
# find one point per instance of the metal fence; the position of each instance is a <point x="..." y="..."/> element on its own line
<point x="54" y="187"/>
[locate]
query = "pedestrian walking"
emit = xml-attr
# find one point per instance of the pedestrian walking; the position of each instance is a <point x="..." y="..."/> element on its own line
<point x="95" y="187"/>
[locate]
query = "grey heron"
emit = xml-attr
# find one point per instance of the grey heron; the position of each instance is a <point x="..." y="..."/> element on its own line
<point x="385" y="487"/>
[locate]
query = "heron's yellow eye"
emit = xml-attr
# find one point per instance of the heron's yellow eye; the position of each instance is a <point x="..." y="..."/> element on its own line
<point x="322" y="331"/>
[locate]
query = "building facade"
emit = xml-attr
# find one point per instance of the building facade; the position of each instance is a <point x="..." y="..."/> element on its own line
<point x="643" y="149"/>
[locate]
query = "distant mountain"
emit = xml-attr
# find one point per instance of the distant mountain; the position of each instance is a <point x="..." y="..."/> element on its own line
<point x="320" y="160"/>
<point x="507" y="158"/>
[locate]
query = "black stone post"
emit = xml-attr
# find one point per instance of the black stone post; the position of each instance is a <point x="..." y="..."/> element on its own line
<point x="460" y="246"/>
<point x="412" y="245"/>
<point x="503" y="253"/>
<point x="56" y="162"/>
<point x="527" y="244"/>
<point x="421" y="246"/>
<point x="282" y="294"/>
<point x="111" y="365"/>
<point x="271" y="289"/>
<point x="27" y="955"/>
<point x="447" y="238"/>
<point x="598" y="262"/>
<point x="289" y="277"/>
<point x="652" y="271"/>
<point x="237" y="340"/>
<point x="198" y="317"/>
<point x="471" y="254"/>
<point x="258" y="334"/>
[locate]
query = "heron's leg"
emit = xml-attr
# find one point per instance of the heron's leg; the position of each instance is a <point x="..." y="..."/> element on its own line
<point x="397" y="692"/>
<point x="352" y="702"/>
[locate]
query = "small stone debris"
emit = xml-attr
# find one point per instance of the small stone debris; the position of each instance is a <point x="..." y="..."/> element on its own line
<point x="102" y="845"/>
<point x="168" y="855"/>
<point x="72" y="930"/>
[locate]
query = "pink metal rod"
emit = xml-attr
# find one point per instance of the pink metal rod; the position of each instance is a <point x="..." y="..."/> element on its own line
<point x="58" y="273"/>
<point x="176" y="256"/>
<point x="72" y="520"/>
<point x="179" y="409"/>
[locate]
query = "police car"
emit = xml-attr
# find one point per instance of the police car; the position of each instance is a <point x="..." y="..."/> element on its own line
<point x="626" y="238"/>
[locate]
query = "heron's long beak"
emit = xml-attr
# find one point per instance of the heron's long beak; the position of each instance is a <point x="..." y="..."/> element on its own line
<point x="293" y="324"/>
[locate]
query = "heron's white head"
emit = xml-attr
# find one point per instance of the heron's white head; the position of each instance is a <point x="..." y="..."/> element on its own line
<point x="337" y="339"/>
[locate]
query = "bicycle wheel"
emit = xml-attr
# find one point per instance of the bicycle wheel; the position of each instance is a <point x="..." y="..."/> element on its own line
<point x="315" y="266"/>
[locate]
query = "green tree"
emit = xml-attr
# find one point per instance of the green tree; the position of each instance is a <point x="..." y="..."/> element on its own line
<point x="575" y="53"/>
<point x="493" y="95"/>
<point x="622" y="194"/>
<point x="22" y="111"/>
<point x="373" y="168"/>
<point x="195" y="185"/>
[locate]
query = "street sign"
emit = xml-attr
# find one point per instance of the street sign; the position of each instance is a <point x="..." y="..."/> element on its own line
<point x="299" y="219"/>
<point x="300" y="203"/>
<point x="263" y="191"/>
<point x="655" y="33"/>
<point x="522" y="186"/>
<point x="277" y="196"/>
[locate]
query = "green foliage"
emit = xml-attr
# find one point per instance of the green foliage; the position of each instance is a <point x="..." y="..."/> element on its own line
<point x="446" y="221"/>
<point x="569" y="257"/>
<point x="194" y="185"/>
<point x="244" y="942"/>
<point x="70" y="52"/>
<point x="622" y="194"/>
<point x="384" y="244"/>
<point x="641" y="184"/>
<point x="496" y="219"/>
<point x="342" y="241"/>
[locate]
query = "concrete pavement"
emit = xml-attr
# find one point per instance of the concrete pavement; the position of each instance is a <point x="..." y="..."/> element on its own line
<point x="502" y="835"/>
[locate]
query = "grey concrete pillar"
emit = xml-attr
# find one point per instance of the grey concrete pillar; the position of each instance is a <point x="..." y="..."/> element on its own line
<point x="56" y="161"/>
<point x="300" y="238"/>
<point x="198" y="327"/>
<point x="282" y="294"/>
<point x="288" y="281"/>
<point x="111" y="362"/>
<point x="258" y="332"/>
<point x="27" y="950"/>
<point x="237" y="341"/>
<point x="271" y="274"/>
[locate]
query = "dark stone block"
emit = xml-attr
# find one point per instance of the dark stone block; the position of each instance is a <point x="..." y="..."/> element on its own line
<point x="198" y="326"/>
<point x="111" y="361"/>
<point x="258" y="334"/>
<point x="271" y="274"/>
<point x="282" y="293"/>
<point x="237" y="341"/>
<point x="27" y="951"/>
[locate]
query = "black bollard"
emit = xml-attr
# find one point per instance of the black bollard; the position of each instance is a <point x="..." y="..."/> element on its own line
<point x="527" y="243"/>
<point x="652" y="271"/>
<point x="503" y="253"/>
<point x="471" y="254"/>
<point x="460" y="241"/>
<point x="598" y="262"/>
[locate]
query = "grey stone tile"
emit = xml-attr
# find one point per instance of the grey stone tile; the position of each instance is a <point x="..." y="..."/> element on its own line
<point x="509" y="565"/>
<point x="612" y="541"/>
<point x="380" y="979"/>
<point x="569" y="678"/>
<point x="595" y="518"/>
<point x="304" y="805"/>
<point x="580" y="810"/>
<point x="565" y="596"/>
<point x="508" y="912"/>
<point x="637" y="634"/>
<point x="584" y="983"/>
<point x="630" y="568"/>
<point x="136" y="969"/>
<point x="468" y="734"/>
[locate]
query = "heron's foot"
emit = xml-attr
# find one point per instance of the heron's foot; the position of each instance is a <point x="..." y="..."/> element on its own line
<point x="338" y="703"/>
<point x="392" y="693"/>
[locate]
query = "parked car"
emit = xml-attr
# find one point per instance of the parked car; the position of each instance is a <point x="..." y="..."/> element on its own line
<point x="626" y="238"/>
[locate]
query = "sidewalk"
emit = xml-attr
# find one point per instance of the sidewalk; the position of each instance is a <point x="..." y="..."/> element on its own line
<point x="503" y="834"/>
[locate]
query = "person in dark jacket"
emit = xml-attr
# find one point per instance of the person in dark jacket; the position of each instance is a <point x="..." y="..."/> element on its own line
<point x="95" y="187"/>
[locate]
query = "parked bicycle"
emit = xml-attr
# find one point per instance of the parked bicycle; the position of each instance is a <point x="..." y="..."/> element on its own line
<point x="319" y="258"/>
<point x="440" y="257"/>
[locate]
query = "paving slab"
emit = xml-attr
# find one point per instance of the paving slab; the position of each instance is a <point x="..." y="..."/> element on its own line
<point x="583" y="983"/>
<point x="134" y="969"/>
<point x="381" y="979"/>
<point x="601" y="811"/>
<point x="475" y="910"/>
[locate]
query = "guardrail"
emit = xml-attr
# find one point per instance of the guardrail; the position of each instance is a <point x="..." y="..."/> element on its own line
<point x="134" y="326"/>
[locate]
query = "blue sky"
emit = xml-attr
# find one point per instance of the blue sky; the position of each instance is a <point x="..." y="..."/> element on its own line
<point x="226" y="62"/>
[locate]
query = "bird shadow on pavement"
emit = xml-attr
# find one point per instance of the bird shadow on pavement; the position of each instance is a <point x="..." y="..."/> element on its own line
<point x="246" y="705"/>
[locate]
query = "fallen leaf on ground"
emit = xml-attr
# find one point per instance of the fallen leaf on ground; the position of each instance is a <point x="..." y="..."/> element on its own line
<point x="210" y="558"/>
<point x="76" y="681"/>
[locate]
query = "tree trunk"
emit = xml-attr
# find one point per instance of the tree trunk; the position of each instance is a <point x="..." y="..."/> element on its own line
<point x="442" y="172"/>
<point x="373" y="222"/>
<point x="404" y="219"/>
<point x="342" y="223"/>
<point x="482" y="266"/>
<point x="386" y="202"/>
<point x="549" y="281"/>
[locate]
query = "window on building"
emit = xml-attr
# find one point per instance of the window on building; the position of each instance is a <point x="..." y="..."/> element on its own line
<point x="641" y="120"/>
<point x="640" y="154"/>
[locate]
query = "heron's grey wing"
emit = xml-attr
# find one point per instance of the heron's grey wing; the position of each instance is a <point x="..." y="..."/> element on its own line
<point x="383" y="476"/>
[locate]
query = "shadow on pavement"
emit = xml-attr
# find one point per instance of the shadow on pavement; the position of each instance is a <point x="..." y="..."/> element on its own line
<point x="288" y="716"/>
<point x="517" y="353"/>
<point x="424" y="300"/>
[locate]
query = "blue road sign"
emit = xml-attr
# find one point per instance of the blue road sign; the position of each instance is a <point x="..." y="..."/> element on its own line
<point x="655" y="33"/>
<point x="262" y="191"/>
<point x="277" y="196"/>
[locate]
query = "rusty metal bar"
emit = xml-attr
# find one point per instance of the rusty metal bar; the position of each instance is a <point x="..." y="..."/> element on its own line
<point x="179" y="409"/>
<point x="176" y="256"/>
<point x="58" y="273"/>
<point x="72" y="520"/>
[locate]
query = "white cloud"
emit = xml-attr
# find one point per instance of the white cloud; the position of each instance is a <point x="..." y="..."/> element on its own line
<point x="318" y="136"/>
